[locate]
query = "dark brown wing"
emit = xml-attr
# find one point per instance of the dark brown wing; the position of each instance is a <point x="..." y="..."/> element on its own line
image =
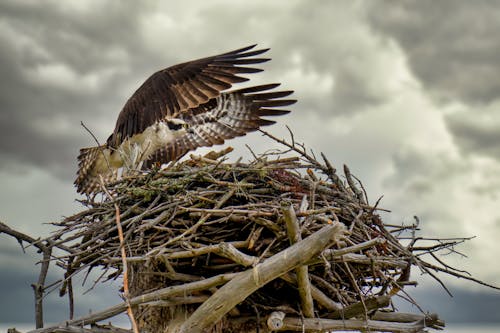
<point x="230" y="115"/>
<point x="174" y="90"/>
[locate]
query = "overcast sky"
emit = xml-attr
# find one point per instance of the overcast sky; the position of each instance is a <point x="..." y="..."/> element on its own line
<point x="407" y="93"/>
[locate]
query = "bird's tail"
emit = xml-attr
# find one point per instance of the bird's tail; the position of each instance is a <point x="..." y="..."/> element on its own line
<point x="93" y="163"/>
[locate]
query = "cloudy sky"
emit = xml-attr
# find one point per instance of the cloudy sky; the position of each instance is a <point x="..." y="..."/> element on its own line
<point x="406" y="93"/>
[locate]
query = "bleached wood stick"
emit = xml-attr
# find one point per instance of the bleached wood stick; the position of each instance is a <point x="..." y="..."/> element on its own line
<point x="431" y="320"/>
<point x="325" y="325"/>
<point x="361" y="307"/>
<point x="317" y="294"/>
<point x="245" y="283"/>
<point x="185" y="254"/>
<point x="303" y="283"/>
<point x="275" y="320"/>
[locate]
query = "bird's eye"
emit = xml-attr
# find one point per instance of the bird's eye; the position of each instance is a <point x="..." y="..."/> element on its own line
<point x="173" y="126"/>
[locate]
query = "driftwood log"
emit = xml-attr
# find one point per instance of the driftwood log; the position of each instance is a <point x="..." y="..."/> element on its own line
<point x="281" y="243"/>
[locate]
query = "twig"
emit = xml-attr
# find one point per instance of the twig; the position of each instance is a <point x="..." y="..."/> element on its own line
<point x="126" y="293"/>
<point x="352" y="185"/>
<point x="98" y="144"/>
<point x="203" y="219"/>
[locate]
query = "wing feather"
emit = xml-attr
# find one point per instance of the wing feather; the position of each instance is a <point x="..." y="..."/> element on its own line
<point x="175" y="90"/>
<point x="230" y="115"/>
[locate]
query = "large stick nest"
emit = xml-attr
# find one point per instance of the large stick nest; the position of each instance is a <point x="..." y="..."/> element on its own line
<point x="208" y="217"/>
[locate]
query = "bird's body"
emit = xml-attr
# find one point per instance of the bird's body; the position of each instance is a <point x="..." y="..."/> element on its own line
<point x="179" y="109"/>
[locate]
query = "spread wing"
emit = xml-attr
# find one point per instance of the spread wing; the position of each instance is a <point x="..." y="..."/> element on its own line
<point x="230" y="115"/>
<point x="182" y="88"/>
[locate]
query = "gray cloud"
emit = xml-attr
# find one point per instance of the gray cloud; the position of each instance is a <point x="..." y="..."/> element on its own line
<point x="436" y="300"/>
<point x="59" y="66"/>
<point x="477" y="132"/>
<point x="452" y="46"/>
<point x="64" y="63"/>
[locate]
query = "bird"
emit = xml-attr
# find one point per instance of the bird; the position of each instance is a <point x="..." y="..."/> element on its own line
<point x="181" y="108"/>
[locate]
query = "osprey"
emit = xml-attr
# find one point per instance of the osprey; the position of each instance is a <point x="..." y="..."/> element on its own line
<point x="179" y="109"/>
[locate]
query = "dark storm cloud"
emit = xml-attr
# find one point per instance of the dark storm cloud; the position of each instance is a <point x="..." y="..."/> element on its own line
<point x="476" y="132"/>
<point x="60" y="65"/>
<point x="20" y="270"/>
<point x="466" y="306"/>
<point x="452" y="46"/>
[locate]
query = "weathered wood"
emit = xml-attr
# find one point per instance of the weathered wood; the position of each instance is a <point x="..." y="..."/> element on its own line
<point x="185" y="254"/>
<point x="317" y="294"/>
<point x="431" y="320"/>
<point x="76" y="329"/>
<point x="160" y="294"/>
<point x="325" y="325"/>
<point x="356" y="309"/>
<point x="275" y="320"/>
<point x="250" y="280"/>
<point x="303" y="283"/>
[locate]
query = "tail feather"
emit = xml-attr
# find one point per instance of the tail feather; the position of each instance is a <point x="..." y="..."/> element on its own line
<point x="93" y="163"/>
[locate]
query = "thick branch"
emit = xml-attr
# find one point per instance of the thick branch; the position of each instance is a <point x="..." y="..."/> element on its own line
<point x="160" y="294"/>
<point x="361" y="307"/>
<point x="250" y="280"/>
<point x="317" y="294"/>
<point x="431" y="320"/>
<point x="303" y="283"/>
<point x="324" y="325"/>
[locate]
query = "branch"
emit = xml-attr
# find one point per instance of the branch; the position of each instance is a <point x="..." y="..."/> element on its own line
<point x="159" y="294"/>
<point x="324" y="325"/>
<point x="126" y="293"/>
<point x="431" y="320"/>
<point x="316" y="293"/>
<point x="358" y="308"/>
<point x="303" y="283"/>
<point x="250" y="280"/>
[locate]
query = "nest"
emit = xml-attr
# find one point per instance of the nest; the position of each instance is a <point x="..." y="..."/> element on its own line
<point x="278" y="243"/>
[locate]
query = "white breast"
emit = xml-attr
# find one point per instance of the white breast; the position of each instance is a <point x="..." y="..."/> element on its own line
<point x="141" y="147"/>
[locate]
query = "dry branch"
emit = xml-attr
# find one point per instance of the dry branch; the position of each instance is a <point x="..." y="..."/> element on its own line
<point x="249" y="281"/>
<point x="161" y="294"/>
<point x="329" y="325"/>
<point x="303" y="283"/>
